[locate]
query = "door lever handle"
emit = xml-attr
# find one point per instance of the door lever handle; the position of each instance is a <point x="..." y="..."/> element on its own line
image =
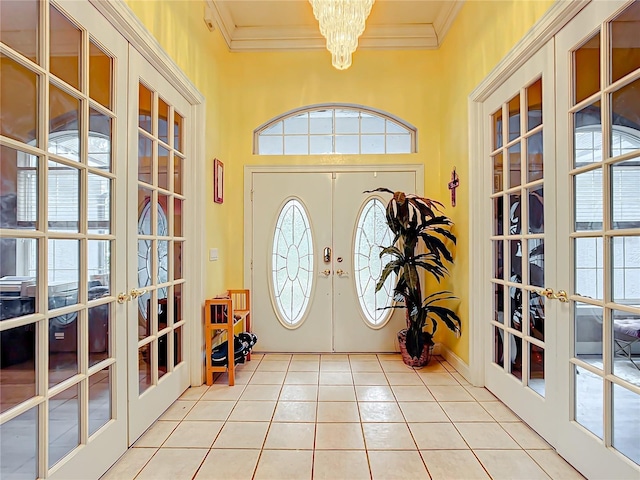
<point x="326" y="273"/>
<point x="341" y="272"/>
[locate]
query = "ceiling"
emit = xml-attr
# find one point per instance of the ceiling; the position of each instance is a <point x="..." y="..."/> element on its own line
<point x="270" y="25"/>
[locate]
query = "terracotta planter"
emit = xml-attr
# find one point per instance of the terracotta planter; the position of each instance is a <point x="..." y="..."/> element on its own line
<point x="419" y="362"/>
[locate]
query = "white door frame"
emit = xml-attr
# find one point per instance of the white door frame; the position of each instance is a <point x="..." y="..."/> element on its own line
<point x="479" y="263"/>
<point x="125" y="21"/>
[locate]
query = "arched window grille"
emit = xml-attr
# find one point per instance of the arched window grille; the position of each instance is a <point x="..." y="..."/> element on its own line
<point x="335" y="129"/>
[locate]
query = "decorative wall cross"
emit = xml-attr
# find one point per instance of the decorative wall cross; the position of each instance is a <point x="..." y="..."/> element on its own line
<point x="453" y="184"/>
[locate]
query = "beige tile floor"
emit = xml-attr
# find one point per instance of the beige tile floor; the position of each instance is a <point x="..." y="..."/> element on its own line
<point x="340" y="417"/>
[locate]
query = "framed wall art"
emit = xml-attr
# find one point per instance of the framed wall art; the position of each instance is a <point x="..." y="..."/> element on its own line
<point x="218" y="181"/>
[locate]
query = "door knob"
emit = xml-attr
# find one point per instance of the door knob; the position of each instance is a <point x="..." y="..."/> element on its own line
<point x="551" y="295"/>
<point x="135" y="293"/>
<point x="326" y="273"/>
<point x="123" y="297"/>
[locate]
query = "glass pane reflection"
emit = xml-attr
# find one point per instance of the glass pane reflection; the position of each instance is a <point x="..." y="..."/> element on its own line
<point x="497" y="129"/>
<point x="587" y="69"/>
<point x="99" y="155"/>
<point x="64" y="424"/>
<point x="497" y="173"/>
<point x="19" y="112"/>
<point x="515" y="168"/>
<point x="498" y="259"/>
<point x="536" y="210"/>
<point x="535" y="157"/>
<point x="625" y="52"/>
<point x="588" y="333"/>
<point x="63" y="214"/>
<point x="65" y="48"/>
<point x="625" y="336"/>
<point x="589" y="400"/>
<point x="99" y="319"/>
<point x="514" y="117"/>
<point x="17" y="364"/>
<point x="100" y="75"/>
<point x="19" y="440"/>
<point x="534" y="105"/>
<point x="99" y="399"/>
<point x="19" y="197"/>
<point x="626" y="425"/>
<point x="625" y="201"/>
<point x="144" y="368"/>
<point x="588" y="135"/>
<point x="26" y="42"/>
<point x="589" y="267"/>
<point x="626" y="269"/>
<point x="64" y="124"/>
<point x="536" y="369"/>
<point x="498" y="347"/>
<point x="536" y="262"/>
<point x="588" y="200"/>
<point x="536" y="315"/>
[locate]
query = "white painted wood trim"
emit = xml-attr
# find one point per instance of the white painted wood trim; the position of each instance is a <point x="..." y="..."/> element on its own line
<point x="548" y="26"/>
<point x="130" y="27"/>
<point x="197" y="249"/>
<point x="454" y="360"/>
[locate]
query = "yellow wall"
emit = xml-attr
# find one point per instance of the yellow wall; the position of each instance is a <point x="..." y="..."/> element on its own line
<point x="180" y="29"/>
<point x="482" y="34"/>
<point x="428" y="89"/>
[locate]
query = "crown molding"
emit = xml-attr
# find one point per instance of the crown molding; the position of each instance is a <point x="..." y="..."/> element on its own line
<point x="306" y="37"/>
<point x="446" y="17"/>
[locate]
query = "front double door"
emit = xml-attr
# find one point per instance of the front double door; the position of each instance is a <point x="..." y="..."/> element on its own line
<point x="316" y="239"/>
<point x="563" y="148"/>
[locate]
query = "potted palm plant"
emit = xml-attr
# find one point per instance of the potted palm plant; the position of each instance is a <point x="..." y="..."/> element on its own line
<point x="418" y="222"/>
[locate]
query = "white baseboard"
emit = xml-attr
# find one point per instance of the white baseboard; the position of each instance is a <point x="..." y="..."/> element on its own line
<point x="454" y="360"/>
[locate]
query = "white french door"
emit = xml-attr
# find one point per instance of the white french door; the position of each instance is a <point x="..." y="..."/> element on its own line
<point x="519" y="127"/>
<point x="157" y="313"/>
<point x="598" y="118"/>
<point x="563" y="353"/>
<point x="315" y="243"/>
<point x="63" y="159"/>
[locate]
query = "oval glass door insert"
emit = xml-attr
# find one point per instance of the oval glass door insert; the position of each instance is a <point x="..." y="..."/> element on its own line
<point x="292" y="264"/>
<point x="372" y="233"/>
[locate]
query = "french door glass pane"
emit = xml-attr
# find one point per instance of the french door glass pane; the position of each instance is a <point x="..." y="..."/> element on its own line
<point x="19" y="112"/>
<point x="18" y="367"/>
<point x="588" y="328"/>
<point x="64" y="423"/>
<point x="99" y="325"/>
<point x="514" y="117"/>
<point x="625" y="336"/>
<point x="99" y="205"/>
<point x="18" y="209"/>
<point x="100" y="73"/>
<point x="145" y="159"/>
<point x="536" y="369"/>
<point x="589" y="395"/>
<point x="100" y="141"/>
<point x="587" y="131"/>
<point x="588" y="199"/>
<point x="163" y="121"/>
<point x="625" y="201"/>
<point x="626" y="270"/>
<point x="63" y="347"/>
<point x="64" y="122"/>
<point x="515" y="166"/>
<point x="534" y="157"/>
<point x="144" y="368"/>
<point x="586" y="65"/>
<point x="145" y="103"/>
<point x="65" y="48"/>
<point x="534" y="105"/>
<point x="589" y="268"/>
<point x="626" y="426"/>
<point x="26" y="42"/>
<point x="19" y="440"/>
<point x="497" y="172"/>
<point x="100" y="411"/>
<point x="625" y="52"/>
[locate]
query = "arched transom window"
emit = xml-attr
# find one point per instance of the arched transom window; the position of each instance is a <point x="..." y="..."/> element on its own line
<point x="334" y="129"/>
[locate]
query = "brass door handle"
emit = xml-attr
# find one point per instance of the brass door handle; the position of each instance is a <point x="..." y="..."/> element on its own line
<point x="123" y="297"/>
<point x="326" y="273"/>
<point x="132" y="295"/>
<point x="135" y="293"/>
<point x="340" y="273"/>
<point x="551" y="295"/>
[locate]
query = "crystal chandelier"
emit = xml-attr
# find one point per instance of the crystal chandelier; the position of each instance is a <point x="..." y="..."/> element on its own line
<point x="341" y="23"/>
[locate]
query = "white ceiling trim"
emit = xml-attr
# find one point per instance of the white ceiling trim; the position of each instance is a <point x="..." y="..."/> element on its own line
<point x="304" y="37"/>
